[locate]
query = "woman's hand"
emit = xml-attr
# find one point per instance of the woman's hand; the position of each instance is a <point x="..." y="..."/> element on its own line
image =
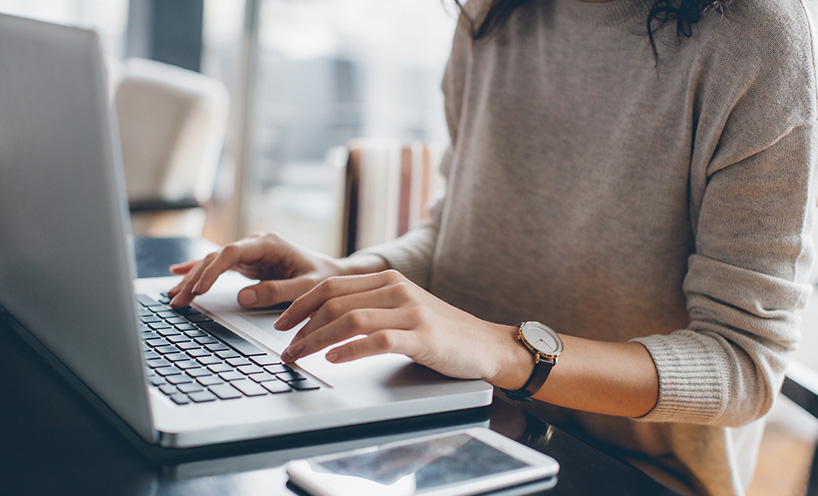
<point x="391" y="314"/>
<point x="286" y="271"/>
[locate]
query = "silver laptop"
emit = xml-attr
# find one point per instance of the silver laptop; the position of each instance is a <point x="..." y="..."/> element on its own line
<point x="66" y="275"/>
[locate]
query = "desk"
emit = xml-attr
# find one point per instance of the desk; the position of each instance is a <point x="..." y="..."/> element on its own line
<point x="53" y="442"/>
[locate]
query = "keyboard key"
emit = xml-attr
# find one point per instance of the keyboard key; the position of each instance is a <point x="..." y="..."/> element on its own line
<point x="198" y="353"/>
<point x="198" y="372"/>
<point x="168" y="389"/>
<point x="176" y="320"/>
<point x="176" y="357"/>
<point x="164" y="350"/>
<point x="225" y="392"/>
<point x="166" y="371"/>
<point x="156" y="363"/>
<point x="237" y="362"/>
<point x="305" y="385"/>
<point x="156" y="381"/>
<point x="154" y="343"/>
<point x="156" y="326"/>
<point x="277" y="369"/>
<point x="219" y="368"/>
<point x="206" y="340"/>
<point x="187" y="327"/>
<point x="266" y="360"/>
<point x="146" y="300"/>
<point x="232" y="376"/>
<point x="193" y="333"/>
<point x="188" y="346"/>
<point x="187" y="311"/>
<point x="263" y="377"/>
<point x="209" y="360"/>
<point x="276" y="387"/>
<point x="199" y="318"/>
<point x="166" y="314"/>
<point x="250" y="369"/>
<point x="216" y="347"/>
<point x="211" y="380"/>
<point x="179" y="338"/>
<point x="202" y="396"/>
<point x="188" y="364"/>
<point x="179" y="379"/>
<point x="225" y="354"/>
<point x="232" y="339"/>
<point x="170" y="331"/>
<point x="249" y="388"/>
<point x="191" y="387"/>
<point x="290" y="376"/>
<point x="180" y="399"/>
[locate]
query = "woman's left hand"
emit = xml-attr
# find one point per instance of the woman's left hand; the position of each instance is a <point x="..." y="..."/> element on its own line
<point x="393" y="315"/>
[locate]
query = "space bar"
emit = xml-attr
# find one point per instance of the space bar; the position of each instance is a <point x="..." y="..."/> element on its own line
<point x="231" y="339"/>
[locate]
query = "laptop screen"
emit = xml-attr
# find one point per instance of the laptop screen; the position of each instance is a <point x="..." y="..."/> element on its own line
<point x="65" y="261"/>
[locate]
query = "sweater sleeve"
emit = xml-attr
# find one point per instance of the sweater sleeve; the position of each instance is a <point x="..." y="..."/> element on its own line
<point x="752" y="199"/>
<point x="743" y="287"/>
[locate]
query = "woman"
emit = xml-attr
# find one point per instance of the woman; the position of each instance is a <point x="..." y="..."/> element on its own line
<point x="637" y="176"/>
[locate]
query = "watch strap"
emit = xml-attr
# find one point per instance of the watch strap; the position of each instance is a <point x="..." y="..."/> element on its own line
<point x="542" y="369"/>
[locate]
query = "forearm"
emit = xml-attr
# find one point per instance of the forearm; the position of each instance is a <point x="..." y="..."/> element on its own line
<point x="596" y="376"/>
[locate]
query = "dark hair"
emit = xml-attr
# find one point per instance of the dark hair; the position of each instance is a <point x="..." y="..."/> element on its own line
<point x="685" y="13"/>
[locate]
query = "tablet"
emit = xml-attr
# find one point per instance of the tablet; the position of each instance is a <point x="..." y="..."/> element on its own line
<point x="462" y="462"/>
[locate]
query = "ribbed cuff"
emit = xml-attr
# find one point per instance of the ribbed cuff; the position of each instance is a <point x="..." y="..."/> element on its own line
<point x="691" y="386"/>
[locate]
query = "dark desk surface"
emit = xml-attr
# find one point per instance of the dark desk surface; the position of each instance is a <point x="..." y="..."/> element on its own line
<point x="53" y="442"/>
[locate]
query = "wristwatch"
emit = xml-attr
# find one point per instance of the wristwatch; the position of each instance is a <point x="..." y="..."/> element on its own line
<point x="546" y="346"/>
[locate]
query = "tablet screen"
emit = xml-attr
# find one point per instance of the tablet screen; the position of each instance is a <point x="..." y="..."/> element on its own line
<point x="429" y="464"/>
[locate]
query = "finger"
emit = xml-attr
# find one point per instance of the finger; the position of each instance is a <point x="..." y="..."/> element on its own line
<point x="377" y="343"/>
<point x="351" y="324"/>
<point x="269" y="293"/>
<point x="184" y="291"/>
<point x="336" y="308"/>
<point x="333" y="287"/>
<point x="184" y="267"/>
<point x="178" y="288"/>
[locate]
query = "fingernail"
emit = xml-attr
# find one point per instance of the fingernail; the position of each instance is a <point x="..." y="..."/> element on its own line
<point x="282" y="323"/>
<point x="247" y="297"/>
<point x="333" y="356"/>
<point x="292" y="352"/>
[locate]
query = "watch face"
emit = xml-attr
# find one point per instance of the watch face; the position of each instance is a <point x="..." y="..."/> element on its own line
<point x="542" y="339"/>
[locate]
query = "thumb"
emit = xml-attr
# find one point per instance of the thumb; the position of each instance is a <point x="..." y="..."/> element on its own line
<point x="269" y="293"/>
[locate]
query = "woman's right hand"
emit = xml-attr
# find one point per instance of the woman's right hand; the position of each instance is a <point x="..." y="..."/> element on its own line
<point x="285" y="271"/>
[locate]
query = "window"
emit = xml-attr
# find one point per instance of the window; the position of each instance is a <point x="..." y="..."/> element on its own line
<point x="325" y="71"/>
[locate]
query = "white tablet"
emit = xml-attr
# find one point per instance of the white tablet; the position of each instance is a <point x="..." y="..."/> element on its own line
<point x="462" y="462"/>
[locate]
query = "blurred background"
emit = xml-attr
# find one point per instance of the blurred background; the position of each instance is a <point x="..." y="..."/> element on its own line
<point x="304" y="77"/>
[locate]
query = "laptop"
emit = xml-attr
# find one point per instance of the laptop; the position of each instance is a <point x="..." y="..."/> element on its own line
<point x="67" y="277"/>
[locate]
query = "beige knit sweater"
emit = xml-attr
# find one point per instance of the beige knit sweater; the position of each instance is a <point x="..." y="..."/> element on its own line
<point x="616" y="199"/>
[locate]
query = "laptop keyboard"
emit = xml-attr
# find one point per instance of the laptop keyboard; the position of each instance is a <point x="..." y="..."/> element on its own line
<point x="192" y="359"/>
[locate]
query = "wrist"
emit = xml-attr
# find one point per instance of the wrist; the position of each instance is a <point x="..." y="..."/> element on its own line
<point x="361" y="264"/>
<point x="515" y="364"/>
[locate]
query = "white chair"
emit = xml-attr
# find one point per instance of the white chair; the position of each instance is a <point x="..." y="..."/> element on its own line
<point x="172" y="124"/>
